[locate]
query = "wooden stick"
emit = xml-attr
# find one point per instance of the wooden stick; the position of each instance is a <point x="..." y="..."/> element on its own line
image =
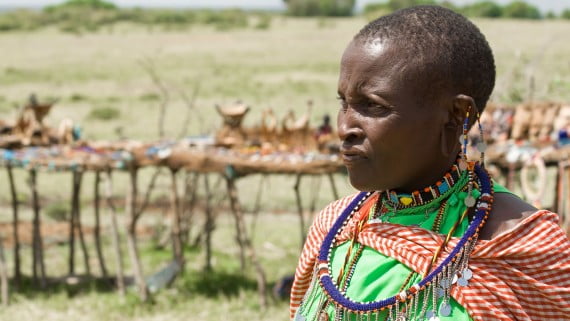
<point x="245" y="242"/>
<point x="115" y="233"/>
<point x="333" y="186"/>
<point x="15" y="227"/>
<point x="149" y="66"/>
<point x="97" y="229"/>
<point x="177" y="247"/>
<point x="317" y="180"/>
<point x="257" y="205"/>
<point x="190" y="105"/>
<point x="148" y="193"/>
<point x="209" y="225"/>
<point x="133" y="217"/>
<point x="3" y="275"/>
<point x="72" y="217"/>
<point x="78" y="224"/>
<point x="38" y="255"/>
<point x="190" y="196"/>
<point x="300" y="207"/>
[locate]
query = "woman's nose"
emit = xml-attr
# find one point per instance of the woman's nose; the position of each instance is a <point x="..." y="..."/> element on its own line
<point x="348" y="125"/>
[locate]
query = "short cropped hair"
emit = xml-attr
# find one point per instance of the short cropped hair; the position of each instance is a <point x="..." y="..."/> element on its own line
<point x="446" y="47"/>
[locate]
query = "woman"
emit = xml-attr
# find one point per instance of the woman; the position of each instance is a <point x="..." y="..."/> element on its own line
<point x="431" y="236"/>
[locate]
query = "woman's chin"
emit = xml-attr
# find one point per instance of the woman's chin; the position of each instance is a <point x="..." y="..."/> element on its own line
<point x="363" y="184"/>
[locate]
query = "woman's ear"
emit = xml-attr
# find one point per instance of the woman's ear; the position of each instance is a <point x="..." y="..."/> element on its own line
<point x="454" y="126"/>
<point x="461" y="105"/>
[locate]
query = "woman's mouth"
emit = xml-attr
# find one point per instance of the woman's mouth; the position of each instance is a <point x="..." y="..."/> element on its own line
<point x="352" y="156"/>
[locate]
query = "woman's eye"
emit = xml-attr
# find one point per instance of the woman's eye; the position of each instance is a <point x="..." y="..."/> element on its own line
<point x="377" y="108"/>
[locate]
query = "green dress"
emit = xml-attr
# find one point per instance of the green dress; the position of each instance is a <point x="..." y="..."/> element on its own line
<point x="378" y="276"/>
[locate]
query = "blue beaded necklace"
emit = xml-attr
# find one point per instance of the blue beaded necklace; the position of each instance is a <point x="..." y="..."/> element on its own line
<point x="338" y="297"/>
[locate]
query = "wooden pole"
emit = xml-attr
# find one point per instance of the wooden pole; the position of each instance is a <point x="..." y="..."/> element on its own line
<point x="3" y="275"/>
<point x="317" y="180"/>
<point x="72" y="218"/>
<point x="300" y="208"/>
<point x="245" y="242"/>
<point x="115" y="233"/>
<point x="15" y="227"/>
<point x="177" y="249"/>
<point x="133" y="216"/>
<point x="333" y="186"/>
<point x="78" y="224"/>
<point x="209" y="226"/>
<point x="37" y="249"/>
<point x="190" y="196"/>
<point x="97" y="230"/>
<point x="257" y="205"/>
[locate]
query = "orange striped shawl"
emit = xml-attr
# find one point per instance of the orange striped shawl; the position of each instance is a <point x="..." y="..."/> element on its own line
<point x="523" y="274"/>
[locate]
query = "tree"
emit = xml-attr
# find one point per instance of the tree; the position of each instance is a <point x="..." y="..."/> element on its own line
<point x="401" y="4"/>
<point x="550" y="15"/>
<point x="488" y="9"/>
<point x="565" y="14"/>
<point x="521" y="10"/>
<point x="83" y="4"/>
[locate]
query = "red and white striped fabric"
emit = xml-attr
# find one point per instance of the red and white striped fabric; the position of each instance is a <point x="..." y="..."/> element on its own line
<point x="523" y="274"/>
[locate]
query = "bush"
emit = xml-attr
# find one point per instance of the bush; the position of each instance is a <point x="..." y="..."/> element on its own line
<point x="150" y="97"/>
<point x="401" y="4"/>
<point x="83" y="16"/>
<point x="333" y="8"/>
<point x="58" y="212"/>
<point x="521" y="10"/>
<point x="224" y="19"/>
<point x="550" y="15"/>
<point x="20" y="20"/>
<point x="263" y="22"/>
<point x="104" y="113"/>
<point x="83" y="4"/>
<point x="77" y="97"/>
<point x="565" y="14"/>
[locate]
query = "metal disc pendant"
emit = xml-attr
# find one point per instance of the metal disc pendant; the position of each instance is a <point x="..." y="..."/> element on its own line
<point x="467" y="274"/>
<point x="440" y="292"/>
<point x="469" y="201"/>
<point x="445" y="283"/>
<point x="445" y="309"/>
<point x="462" y="282"/>
<point x="481" y="147"/>
<point x="455" y="278"/>
<point x="430" y="316"/>
<point x="299" y="317"/>
<point x="401" y="317"/>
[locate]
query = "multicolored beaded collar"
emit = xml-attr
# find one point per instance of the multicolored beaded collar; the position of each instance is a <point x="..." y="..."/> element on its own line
<point x="453" y="265"/>
<point x="428" y="194"/>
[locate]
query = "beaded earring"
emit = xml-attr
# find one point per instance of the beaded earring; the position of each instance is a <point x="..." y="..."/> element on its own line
<point x="464" y="136"/>
<point x="481" y="145"/>
<point x="469" y="199"/>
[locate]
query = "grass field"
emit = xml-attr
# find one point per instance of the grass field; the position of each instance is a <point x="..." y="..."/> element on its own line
<point x="283" y="67"/>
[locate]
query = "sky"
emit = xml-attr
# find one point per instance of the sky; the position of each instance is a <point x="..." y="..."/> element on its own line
<point x="543" y="5"/>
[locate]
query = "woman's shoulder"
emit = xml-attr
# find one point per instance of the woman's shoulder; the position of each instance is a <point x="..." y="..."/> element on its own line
<point x="508" y="210"/>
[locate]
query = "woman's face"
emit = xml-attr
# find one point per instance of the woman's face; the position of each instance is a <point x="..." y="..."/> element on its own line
<point x="391" y="137"/>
